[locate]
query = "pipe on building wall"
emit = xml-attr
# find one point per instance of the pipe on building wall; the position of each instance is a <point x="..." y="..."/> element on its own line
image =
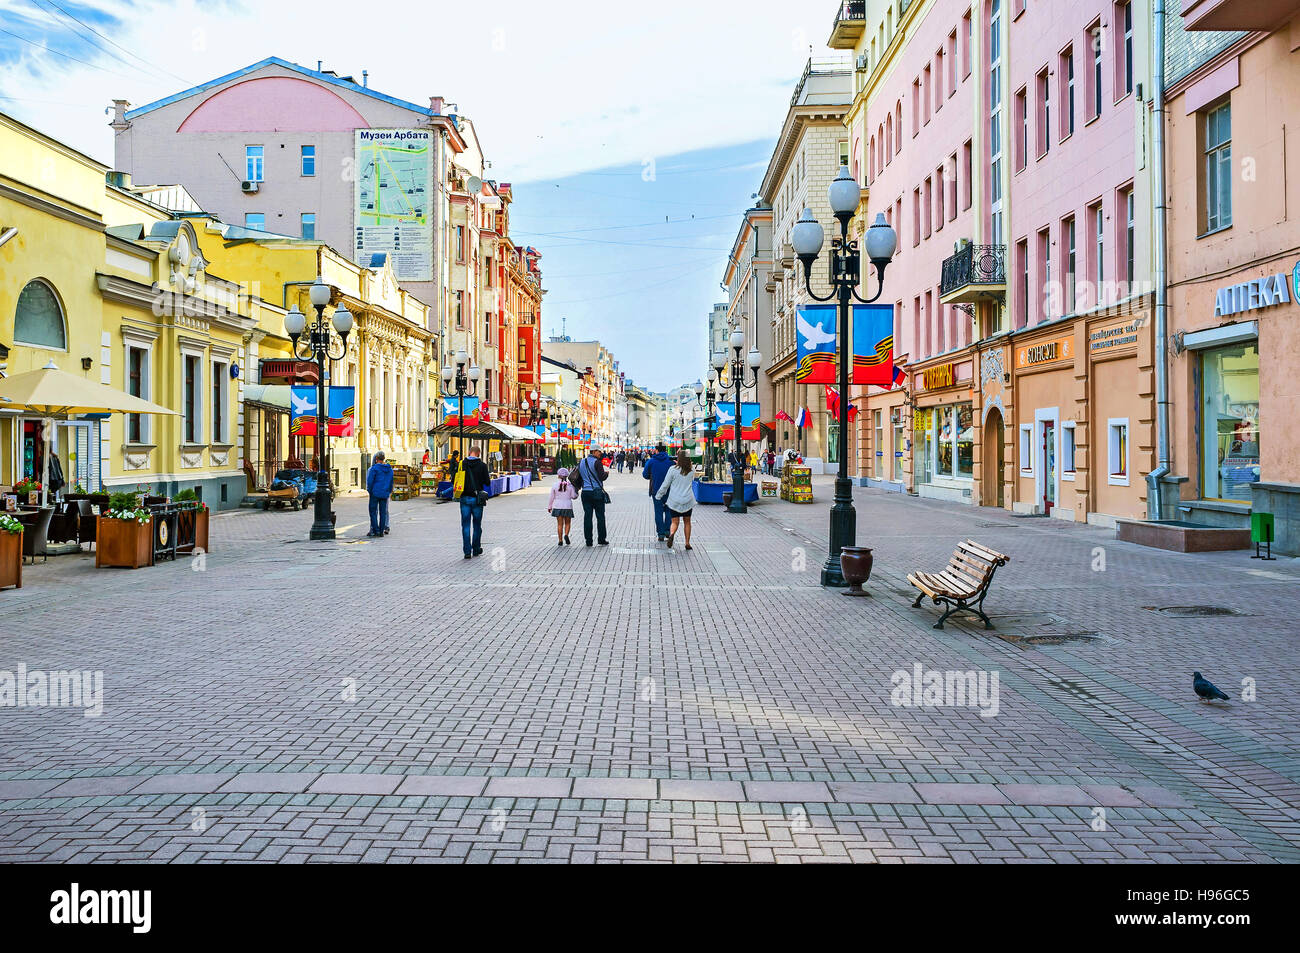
<point x="1155" y="484"/>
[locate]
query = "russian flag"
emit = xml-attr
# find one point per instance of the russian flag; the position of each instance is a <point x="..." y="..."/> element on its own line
<point x="802" y="421"/>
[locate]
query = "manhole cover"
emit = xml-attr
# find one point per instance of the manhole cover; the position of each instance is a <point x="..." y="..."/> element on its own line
<point x="1193" y="611"/>
<point x="1061" y="638"/>
<point x="992" y="525"/>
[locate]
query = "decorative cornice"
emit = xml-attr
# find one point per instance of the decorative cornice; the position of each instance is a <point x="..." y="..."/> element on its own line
<point x="84" y="218"/>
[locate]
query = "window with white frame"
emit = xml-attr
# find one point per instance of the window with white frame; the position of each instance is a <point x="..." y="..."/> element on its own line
<point x="1068" y="467"/>
<point x="1026" y="448"/>
<point x="254" y="159"/>
<point x="1117" y="451"/>
<point x="138" y="384"/>
<point x="192" y="398"/>
<point x="220" y="401"/>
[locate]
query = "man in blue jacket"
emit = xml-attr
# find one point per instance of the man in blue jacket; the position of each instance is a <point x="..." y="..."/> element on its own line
<point x="656" y="468"/>
<point x="379" y="484"/>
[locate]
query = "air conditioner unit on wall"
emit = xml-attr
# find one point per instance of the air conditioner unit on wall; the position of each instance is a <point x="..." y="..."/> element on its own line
<point x="249" y="186"/>
<point x="862" y="61"/>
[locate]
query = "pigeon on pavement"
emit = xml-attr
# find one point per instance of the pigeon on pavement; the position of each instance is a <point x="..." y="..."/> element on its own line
<point x="1205" y="688"/>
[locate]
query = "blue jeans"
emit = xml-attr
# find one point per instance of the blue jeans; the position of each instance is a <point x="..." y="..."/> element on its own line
<point x="662" y="520"/>
<point x="378" y="515"/>
<point x="471" y="512"/>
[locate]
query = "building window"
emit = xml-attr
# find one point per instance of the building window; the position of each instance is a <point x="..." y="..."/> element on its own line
<point x="460" y="309"/>
<point x="1022" y="270"/>
<point x="1046" y="292"/>
<point x="928" y="205"/>
<point x="1067" y="451"/>
<point x="945" y="442"/>
<point x="967" y="27"/>
<point x="1022" y="124"/>
<point x="926" y="92"/>
<point x="1217" y="168"/>
<point x="952" y="63"/>
<point x="308" y="225"/>
<point x="460" y="242"/>
<point x="308" y="160"/>
<point x="940" y="187"/>
<point x="1098" y="221"/>
<point x="38" y="318"/>
<point x="219" y="394"/>
<point x="967" y="154"/>
<point x="1026" y="448"/>
<point x="1124" y="17"/>
<point x="995" y="119"/>
<point x="1117" y="451"/>
<point x="1067" y="93"/>
<point x="254" y="158"/>
<point x="1094" y="86"/>
<point x="192" y="399"/>
<point x="1127" y="204"/>
<point x="878" y="450"/>
<point x="1043" y="92"/>
<point x="898" y="122"/>
<point x="1229" y="421"/>
<point x="487" y="327"/>
<point x="255" y="221"/>
<point x="916" y="217"/>
<point x="1068" y="271"/>
<point x="137" y="385"/>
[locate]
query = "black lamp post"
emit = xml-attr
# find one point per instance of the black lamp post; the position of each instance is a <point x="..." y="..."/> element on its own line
<point x="319" y="346"/>
<point x="705" y="399"/>
<point x="737" y="382"/>
<point x="464" y="381"/>
<point x="845" y="265"/>
<point x="536" y="413"/>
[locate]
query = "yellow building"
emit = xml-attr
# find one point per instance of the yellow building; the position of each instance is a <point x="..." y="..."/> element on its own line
<point x="391" y="358"/>
<point x="98" y="280"/>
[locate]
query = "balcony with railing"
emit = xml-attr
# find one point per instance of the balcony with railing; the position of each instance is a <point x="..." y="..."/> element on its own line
<point x="850" y="23"/>
<point x="975" y="272"/>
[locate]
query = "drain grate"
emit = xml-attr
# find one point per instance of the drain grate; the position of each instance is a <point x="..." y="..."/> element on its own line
<point x="1061" y="638"/>
<point x="1194" y="611"/>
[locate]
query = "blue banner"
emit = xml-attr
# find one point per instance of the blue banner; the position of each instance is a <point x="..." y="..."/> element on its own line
<point x="815" y="336"/>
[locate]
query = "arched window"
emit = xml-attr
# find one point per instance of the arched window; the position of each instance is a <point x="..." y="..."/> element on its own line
<point x="898" y="140"/>
<point x="38" y="320"/>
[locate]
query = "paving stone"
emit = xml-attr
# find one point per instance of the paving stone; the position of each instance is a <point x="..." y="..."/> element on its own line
<point x="616" y="788"/>
<point x="181" y="784"/>
<point x="687" y="790"/>
<point x="338" y="783"/>
<point x="528" y="787"/>
<point x="19" y="790"/>
<point x="442" y="785"/>
<point x="272" y="782"/>
<point x="874" y="792"/>
<point x="94" y="787"/>
<point x="1049" y="794"/>
<point x="948" y="793"/>
<point x="787" y="791"/>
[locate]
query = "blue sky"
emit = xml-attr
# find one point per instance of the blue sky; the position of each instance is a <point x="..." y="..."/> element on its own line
<point x="575" y="101"/>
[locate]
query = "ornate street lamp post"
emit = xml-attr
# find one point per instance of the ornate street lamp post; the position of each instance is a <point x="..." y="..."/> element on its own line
<point x="319" y="345"/>
<point x="845" y="273"/>
<point x="464" y="381"/>
<point x="705" y="399"/>
<point x="738" y="382"/>
<point x="535" y="413"/>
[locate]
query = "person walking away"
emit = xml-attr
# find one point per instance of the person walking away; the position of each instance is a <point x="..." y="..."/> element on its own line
<point x="676" y="491"/>
<point x="563" y="493"/>
<point x="619" y="460"/>
<point x="656" y="468"/>
<point x="379" y="484"/>
<point x="592" y="474"/>
<point x="473" y="497"/>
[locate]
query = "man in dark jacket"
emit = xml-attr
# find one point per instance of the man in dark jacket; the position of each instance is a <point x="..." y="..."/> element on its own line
<point x="593" y="475"/>
<point x="379" y="484"/>
<point x="477" y="477"/>
<point x="656" y="468"/>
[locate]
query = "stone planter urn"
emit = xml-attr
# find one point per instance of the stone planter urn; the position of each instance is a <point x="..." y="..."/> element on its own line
<point x="855" y="563"/>
<point x="726" y="498"/>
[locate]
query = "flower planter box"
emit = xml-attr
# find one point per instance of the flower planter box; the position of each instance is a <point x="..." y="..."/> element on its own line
<point x="201" y="530"/>
<point x="123" y="543"/>
<point x="11" y="560"/>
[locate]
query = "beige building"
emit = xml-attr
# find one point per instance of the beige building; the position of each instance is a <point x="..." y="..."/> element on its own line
<point x="604" y="377"/>
<point x="809" y="152"/>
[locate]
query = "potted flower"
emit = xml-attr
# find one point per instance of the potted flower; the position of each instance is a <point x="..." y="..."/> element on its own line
<point x="124" y="533"/>
<point x="197" y="510"/>
<point x="11" y="552"/>
<point x="29" y="488"/>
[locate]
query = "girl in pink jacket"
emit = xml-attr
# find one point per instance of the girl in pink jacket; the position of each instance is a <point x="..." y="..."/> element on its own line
<point x="563" y="493"/>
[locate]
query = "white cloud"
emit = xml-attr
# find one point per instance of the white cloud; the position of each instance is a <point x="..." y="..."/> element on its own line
<point x="554" y="88"/>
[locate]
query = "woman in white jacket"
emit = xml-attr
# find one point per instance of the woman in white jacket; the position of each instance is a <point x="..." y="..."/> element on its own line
<point x="679" y="496"/>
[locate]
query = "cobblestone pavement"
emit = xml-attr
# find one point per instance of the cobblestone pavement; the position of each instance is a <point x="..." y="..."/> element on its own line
<point x="386" y="700"/>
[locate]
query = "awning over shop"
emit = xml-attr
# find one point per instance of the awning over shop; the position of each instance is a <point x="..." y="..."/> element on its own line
<point x="490" y="430"/>
<point x="274" y="397"/>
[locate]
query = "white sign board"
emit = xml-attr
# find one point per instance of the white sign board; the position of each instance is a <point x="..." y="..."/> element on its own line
<point x="394" y="197"/>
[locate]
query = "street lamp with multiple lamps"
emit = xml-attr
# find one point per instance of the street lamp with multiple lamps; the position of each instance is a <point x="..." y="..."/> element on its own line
<point x="738" y="382"/>
<point x="705" y="399"/>
<point x="536" y="414"/>
<point x="464" y="381"/>
<point x="844" y="272"/>
<point x="319" y="345"/>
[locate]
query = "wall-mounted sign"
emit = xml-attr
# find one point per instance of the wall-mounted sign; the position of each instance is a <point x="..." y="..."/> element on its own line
<point x="1112" y="336"/>
<point x="939" y="376"/>
<point x="1266" y="292"/>
<point x="1062" y="349"/>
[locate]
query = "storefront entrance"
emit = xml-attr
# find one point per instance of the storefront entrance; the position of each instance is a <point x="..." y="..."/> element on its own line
<point x="993" y="492"/>
<point x="1049" y="466"/>
<point x="1229" y="424"/>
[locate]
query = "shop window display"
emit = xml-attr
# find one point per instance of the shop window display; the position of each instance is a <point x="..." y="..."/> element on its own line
<point x="1229" y="422"/>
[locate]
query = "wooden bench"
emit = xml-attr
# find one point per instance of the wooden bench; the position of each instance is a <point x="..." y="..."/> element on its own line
<point x="963" y="585"/>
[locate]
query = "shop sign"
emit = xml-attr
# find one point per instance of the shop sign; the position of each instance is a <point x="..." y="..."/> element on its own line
<point x="1263" y="292"/>
<point x="936" y="377"/>
<point x="1062" y="349"/>
<point x="1116" y="335"/>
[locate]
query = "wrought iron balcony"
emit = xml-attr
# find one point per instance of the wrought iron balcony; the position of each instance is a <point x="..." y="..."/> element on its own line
<point x="850" y="22"/>
<point x="975" y="272"/>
